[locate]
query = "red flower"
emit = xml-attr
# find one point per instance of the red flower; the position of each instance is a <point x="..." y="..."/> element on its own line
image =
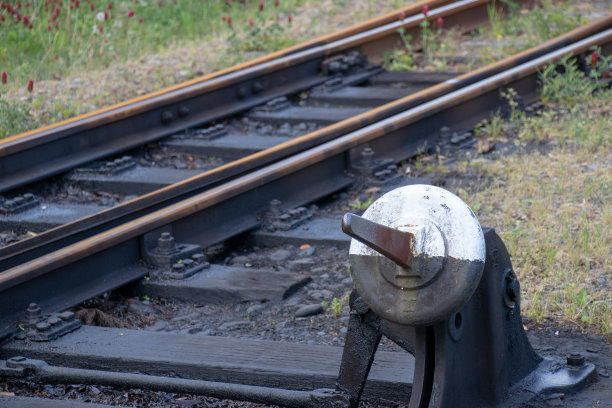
<point x="440" y="21"/>
<point x="105" y="15"/>
<point x="26" y="20"/>
<point x="4" y="77"/>
<point x="57" y="10"/>
<point x="223" y="18"/>
<point x="251" y="21"/>
<point x="91" y="6"/>
<point x="229" y="21"/>
<point x="30" y="26"/>
<point x="30" y="85"/>
<point x="594" y="59"/>
<point x="276" y="3"/>
<point x="100" y="29"/>
<point x="140" y="20"/>
<point x="49" y="27"/>
<point x="110" y="6"/>
<point x="289" y="18"/>
<point x="425" y="9"/>
<point x="402" y="15"/>
<point x="131" y="13"/>
<point x="261" y="5"/>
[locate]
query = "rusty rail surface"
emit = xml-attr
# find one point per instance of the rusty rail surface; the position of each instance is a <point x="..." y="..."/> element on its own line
<point x="44" y="152"/>
<point x="111" y="258"/>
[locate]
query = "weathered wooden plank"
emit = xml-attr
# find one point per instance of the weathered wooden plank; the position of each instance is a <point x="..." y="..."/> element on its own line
<point x="263" y="363"/>
<point x="224" y="284"/>
<point x="21" y="402"/>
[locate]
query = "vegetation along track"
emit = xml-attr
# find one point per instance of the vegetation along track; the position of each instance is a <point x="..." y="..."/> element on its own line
<point x="395" y="131"/>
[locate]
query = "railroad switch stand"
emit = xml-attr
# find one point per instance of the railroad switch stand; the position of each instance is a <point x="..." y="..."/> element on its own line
<point x="428" y="278"/>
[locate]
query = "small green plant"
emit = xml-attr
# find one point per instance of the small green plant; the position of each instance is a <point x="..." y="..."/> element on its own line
<point x="357" y="204"/>
<point x="400" y="59"/>
<point x="145" y="298"/>
<point x="336" y="305"/>
<point x="15" y="117"/>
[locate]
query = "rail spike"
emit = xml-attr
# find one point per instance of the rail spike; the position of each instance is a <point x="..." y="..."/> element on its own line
<point x="430" y="279"/>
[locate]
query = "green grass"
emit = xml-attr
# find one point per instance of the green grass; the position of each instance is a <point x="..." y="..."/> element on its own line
<point x="79" y="38"/>
<point x="552" y="209"/>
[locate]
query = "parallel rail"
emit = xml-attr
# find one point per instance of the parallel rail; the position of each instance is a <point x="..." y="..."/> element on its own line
<point x="112" y="257"/>
<point x="142" y="120"/>
<point x="28" y="249"/>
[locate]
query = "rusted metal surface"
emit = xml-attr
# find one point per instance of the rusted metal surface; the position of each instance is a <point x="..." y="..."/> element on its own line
<point x="59" y="237"/>
<point x="392" y="243"/>
<point x="197" y="219"/>
<point x="136" y="122"/>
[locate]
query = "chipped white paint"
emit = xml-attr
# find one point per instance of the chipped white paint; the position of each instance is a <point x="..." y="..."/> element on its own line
<point x="442" y="223"/>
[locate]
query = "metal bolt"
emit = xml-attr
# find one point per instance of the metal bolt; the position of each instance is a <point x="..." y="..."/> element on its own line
<point x="257" y="87"/>
<point x="10" y="204"/>
<point x="188" y="263"/>
<point x="28" y="196"/>
<point x="111" y="165"/>
<point x="275" y="207"/>
<point x="54" y="321"/>
<point x="17" y="359"/>
<point x="512" y="289"/>
<point x="241" y="92"/>
<point x="178" y="267"/>
<point x="183" y="111"/>
<point x="199" y="257"/>
<point x="66" y="316"/>
<point x="367" y="157"/>
<point x="575" y="360"/>
<point x="285" y="217"/>
<point x="166" y="117"/>
<point x="43" y="326"/>
<point x="33" y="311"/>
<point x="293" y="214"/>
<point x="19" y="201"/>
<point x="166" y="242"/>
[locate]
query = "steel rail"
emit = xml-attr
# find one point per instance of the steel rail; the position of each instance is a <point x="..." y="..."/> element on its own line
<point x="112" y="258"/>
<point x="142" y="120"/>
<point x="28" y="249"/>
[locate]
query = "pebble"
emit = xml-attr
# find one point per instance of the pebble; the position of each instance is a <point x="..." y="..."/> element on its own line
<point x="240" y="260"/>
<point x="321" y="294"/>
<point x="158" y="326"/>
<point x="138" y="307"/>
<point x="255" y="309"/>
<point x="604" y="373"/>
<point x="280" y="255"/>
<point x="343" y="330"/>
<point x="301" y="264"/>
<point x="233" y="325"/>
<point x="307" y="251"/>
<point x="309" y="310"/>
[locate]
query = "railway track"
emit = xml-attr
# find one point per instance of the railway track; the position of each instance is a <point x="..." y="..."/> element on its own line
<point x="320" y="135"/>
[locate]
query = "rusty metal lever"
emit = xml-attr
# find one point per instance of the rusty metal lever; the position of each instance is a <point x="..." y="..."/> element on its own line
<point x="394" y="244"/>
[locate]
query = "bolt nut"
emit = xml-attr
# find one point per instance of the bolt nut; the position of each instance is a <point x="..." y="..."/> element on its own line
<point x="33" y="311"/>
<point x="178" y="267"/>
<point x="43" y="326"/>
<point x="66" y="316"/>
<point x="199" y="257"/>
<point x="575" y="360"/>
<point x="54" y="321"/>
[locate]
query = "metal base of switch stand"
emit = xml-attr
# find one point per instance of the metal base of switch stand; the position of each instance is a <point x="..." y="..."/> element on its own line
<point x="473" y="358"/>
